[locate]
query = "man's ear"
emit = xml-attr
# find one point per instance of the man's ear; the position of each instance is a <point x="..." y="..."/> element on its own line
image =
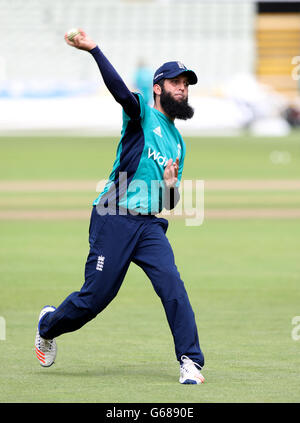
<point x="157" y="89"/>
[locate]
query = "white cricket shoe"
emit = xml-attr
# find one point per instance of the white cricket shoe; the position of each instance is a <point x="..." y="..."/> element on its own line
<point x="45" y="349"/>
<point x="189" y="372"/>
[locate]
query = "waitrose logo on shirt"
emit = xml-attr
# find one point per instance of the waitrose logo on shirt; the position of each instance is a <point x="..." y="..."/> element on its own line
<point x="157" y="156"/>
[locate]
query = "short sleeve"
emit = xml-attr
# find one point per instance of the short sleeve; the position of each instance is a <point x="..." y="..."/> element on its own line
<point x="142" y="104"/>
<point x="141" y="101"/>
<point x="181" y="151"/>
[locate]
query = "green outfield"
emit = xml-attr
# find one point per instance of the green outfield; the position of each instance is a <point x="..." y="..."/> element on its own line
<point x="241" y="269"/>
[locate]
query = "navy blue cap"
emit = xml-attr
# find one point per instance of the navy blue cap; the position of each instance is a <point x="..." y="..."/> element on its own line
<point x="173" y="69"/>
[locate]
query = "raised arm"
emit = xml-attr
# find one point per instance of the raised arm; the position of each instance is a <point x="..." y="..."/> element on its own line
<point x="111" y="78"/>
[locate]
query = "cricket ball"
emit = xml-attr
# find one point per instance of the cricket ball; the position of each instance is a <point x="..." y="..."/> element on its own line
<point x="72" y="33"/>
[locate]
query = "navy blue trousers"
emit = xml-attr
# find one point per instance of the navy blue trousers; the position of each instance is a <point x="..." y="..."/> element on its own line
<point x="115" y="242"/>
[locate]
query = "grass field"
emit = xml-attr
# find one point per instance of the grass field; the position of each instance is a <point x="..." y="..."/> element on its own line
<point x="242" y="276"/>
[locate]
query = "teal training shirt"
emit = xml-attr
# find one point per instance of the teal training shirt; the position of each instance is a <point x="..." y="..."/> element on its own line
<point x="136" y="182"/>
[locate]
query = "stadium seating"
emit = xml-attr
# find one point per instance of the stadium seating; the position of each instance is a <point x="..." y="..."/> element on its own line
<point x="215" y="38"/>
<point x="278" y="41"/>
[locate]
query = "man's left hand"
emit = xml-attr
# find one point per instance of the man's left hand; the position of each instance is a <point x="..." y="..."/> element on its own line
<point x="171" y="173"/>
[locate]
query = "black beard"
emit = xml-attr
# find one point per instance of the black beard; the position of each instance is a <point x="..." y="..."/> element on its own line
<point x="175" y="109"/>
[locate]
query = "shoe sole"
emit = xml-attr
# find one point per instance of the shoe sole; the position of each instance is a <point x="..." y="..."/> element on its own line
<point x="192" y="381"/>
<point x="189" y="382"/>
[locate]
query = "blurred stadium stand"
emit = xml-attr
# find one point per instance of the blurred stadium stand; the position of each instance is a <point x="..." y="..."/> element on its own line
<point x="278" y="41"/>
<point x="45" y="84"/>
